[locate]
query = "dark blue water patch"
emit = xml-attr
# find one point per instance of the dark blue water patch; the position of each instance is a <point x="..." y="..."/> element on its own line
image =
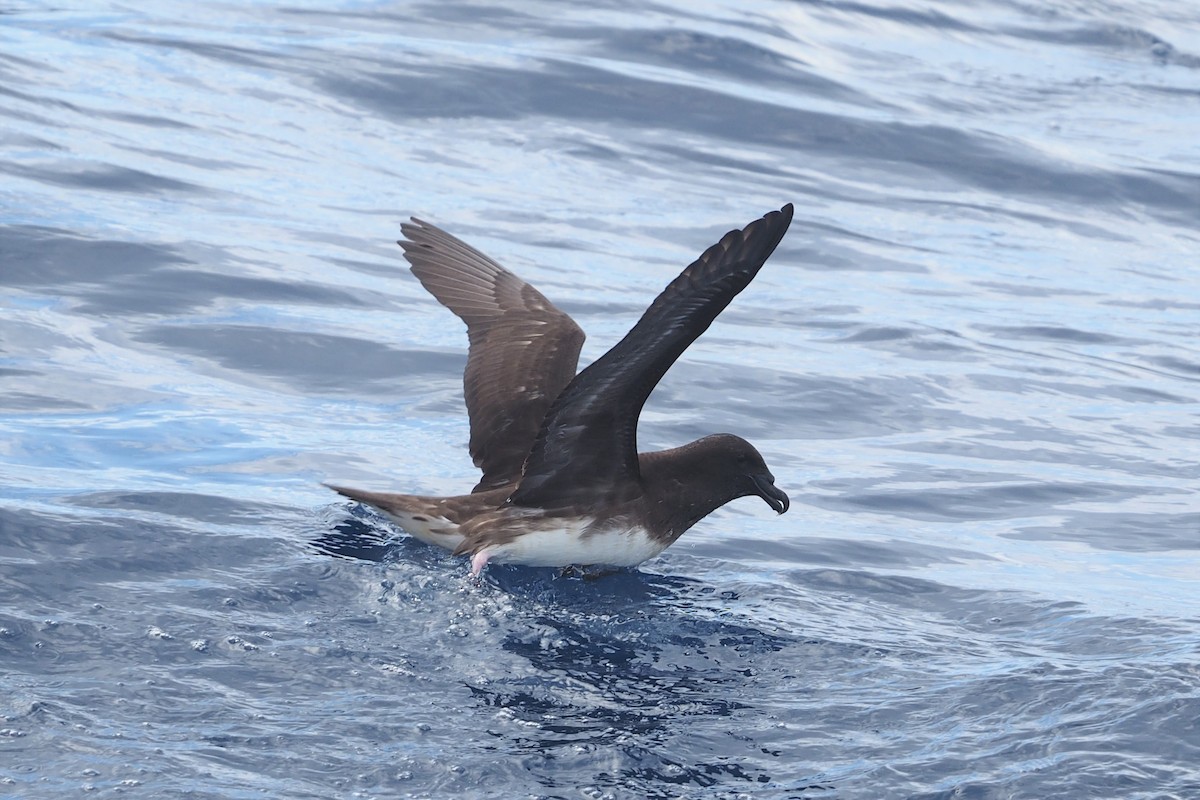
<point x="50" y="258"/>
<point x="826" y="230"/>
<point x="112" y="589"/>
<point x="19" y="400"/>
<point x="149" y="437"/>
<point x="1182" y="368"/>
<point x="1051" y="333"/>
<point x="357" y="532"/>
<point x="1044" y="693"/>
<point x="580" y="308"/>
<point x="59" y="104"/>
<point x="1011" y="623"/>
<point x="1121" y="531"/>
<point x="905" y="594"/>
<point x="843" y="553"/>
<point x="30" y="117"/>
<point x="13" y="58"/>
<point x="819" y="318"/>
<point x="653" y="691"/>
<point x="1090" y="452"/>
<point x="190" y="159"/>
<point x="928" y="346"/>
<point x="968" y="502"/>
<point x="14" y="396"/>
<point x="1182" y="431"/>
<point x="594" y="152"/>
<point x="880" y="334"/>
<point x="963" y="210"/>
<point x="173" y="291"/>
<point x="25" y="713"/>
<point x="557" y="723"/>
<point x="1133" y="391"/>
<point x="463" y="14"/>
<point x="18" y="141"/>
<point x="50" y="646"/>
<point x="185" y="505"/>
<point x="588" y="592"/>
<point x="66" y="394"/>
<point x="1083" y="387"/>
<point x="828" y="255"/>
<point x="1111" y="38"/>
<point x="1153" y="303"/>
<point x="696" y="52"/>
<point x="794" y="406"/>
<point x="118" y="278"/>
<point x="637" y="690"/>
<point x="625" y="693"/>
<point x="226" y="53"/>
<point x="693" y="155"/>
<point x="1034" y="290"/>
<point x="373" y="268"/>
<point x="67" y="559"/>
<point x="922" y="18"/>
<point x="148" y="120"/>
<point x="311" y="363"/>
<point x="108" y="177"/>
<point x="585" y="94"/>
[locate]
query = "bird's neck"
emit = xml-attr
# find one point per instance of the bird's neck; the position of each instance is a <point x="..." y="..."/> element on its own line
<point x="676" y="495"/>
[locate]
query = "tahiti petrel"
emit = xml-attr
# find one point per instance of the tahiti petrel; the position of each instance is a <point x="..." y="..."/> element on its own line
<point x="563" y="483"/>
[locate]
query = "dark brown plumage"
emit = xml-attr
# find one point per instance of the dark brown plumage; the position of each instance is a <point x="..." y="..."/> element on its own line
<point x="524" y="351"/>
<point x="562" y="481"/>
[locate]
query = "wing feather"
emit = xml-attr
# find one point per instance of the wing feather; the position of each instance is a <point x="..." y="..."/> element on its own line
<point x="523" y="350"/>
<point x="586" y="447"/>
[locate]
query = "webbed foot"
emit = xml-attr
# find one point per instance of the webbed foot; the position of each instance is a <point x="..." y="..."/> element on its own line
<point x="478" y="562"/>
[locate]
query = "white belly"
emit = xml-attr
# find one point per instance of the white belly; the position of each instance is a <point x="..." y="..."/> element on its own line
<point x="619" y="545"/>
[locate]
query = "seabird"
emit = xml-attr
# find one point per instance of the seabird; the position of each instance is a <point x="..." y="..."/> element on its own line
<point x="563" y="482"/>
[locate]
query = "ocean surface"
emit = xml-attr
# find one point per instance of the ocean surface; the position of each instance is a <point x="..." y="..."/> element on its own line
<point x="974" y="364"/>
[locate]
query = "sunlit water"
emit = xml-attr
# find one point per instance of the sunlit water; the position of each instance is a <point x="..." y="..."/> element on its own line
<point x="973" y="364"/>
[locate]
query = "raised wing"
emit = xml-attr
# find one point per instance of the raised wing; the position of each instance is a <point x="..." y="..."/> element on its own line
<point x="523" y="350"/>
<point x="587" y="445"/>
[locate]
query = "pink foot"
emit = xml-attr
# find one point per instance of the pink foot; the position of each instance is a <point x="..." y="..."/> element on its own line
<point x="478" y="562"/>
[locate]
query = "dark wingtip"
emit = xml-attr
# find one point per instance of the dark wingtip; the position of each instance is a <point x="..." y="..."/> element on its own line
<point x="769" y="230"/>
<point x="784" y="216"/>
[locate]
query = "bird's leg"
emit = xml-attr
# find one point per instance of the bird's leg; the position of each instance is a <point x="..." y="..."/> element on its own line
<point x="478" y="562"/>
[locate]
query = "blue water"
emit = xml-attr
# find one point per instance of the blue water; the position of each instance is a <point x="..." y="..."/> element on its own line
<point x="973" y="364"/>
